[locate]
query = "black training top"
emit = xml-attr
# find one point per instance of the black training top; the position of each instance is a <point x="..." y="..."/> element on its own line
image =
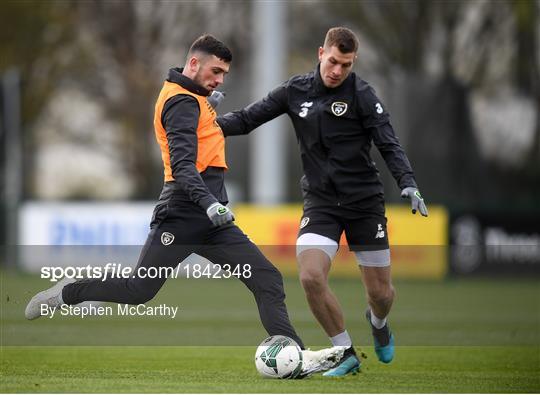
<point x="335" y="129"/>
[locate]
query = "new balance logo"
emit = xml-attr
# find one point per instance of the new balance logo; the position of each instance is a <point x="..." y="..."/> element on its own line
<point x="380" y="232"/>
<point x="305" y="108"/>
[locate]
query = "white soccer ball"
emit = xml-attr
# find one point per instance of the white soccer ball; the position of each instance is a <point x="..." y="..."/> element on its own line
<point x="279" y="357"/>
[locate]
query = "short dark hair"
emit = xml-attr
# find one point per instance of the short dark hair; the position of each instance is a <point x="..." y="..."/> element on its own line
<point x="342" y="38"/>
<point x="212" y="46"/>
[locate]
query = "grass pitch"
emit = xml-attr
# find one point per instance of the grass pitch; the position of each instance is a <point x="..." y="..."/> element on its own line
<point x="454" y="336"/>
<point x="230" y="369"/>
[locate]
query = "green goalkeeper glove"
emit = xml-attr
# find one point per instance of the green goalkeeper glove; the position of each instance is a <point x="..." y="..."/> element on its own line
<point x="417" y="201"/>
<point x="219" y="214"/>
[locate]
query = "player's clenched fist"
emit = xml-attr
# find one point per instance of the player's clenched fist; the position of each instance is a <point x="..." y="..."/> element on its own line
<point x="219" y="214"/>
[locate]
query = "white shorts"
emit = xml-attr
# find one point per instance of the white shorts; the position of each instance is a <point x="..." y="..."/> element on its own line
<point x="379" y="258"/>
<point x="309" y="241"/>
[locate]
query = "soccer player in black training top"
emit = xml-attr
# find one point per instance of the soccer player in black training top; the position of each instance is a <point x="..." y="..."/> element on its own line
<point x="337" y="117"/>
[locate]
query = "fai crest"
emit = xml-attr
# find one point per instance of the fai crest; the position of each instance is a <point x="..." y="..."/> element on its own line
<point x="167" y="238"/>
<point x="339" y="108"/>
<point x="304" y="222"/>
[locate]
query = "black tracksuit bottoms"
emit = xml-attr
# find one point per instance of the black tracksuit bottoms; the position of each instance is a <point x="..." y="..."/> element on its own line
<point x="193" y="232"/>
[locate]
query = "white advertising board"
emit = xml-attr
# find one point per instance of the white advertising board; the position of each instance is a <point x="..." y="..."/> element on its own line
<point x="84" y="223"/>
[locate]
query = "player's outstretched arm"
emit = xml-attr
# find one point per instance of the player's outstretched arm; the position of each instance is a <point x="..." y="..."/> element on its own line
<point x="251" y="117"/>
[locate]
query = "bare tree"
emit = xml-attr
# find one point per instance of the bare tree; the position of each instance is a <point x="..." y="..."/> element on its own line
<point x="447" y="52"/>
<point x="131" y="45"/>
<point x="36" y="39"/>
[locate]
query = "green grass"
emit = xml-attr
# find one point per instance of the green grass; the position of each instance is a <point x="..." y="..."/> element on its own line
<point x="230" y="369"/>
<point x="474" y="335"/>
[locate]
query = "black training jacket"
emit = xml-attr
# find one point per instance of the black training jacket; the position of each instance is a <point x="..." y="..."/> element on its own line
<point x="335" y="129"/>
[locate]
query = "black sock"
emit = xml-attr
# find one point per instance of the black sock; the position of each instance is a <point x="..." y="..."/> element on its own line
<point x="349" y="351"/>
<point x="382" y="335"/>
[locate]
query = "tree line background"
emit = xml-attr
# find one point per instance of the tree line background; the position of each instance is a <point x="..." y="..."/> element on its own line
<point x="460" y="79"/>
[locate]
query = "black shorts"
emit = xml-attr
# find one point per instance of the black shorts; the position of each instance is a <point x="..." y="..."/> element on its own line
<point x="365" y="228"/>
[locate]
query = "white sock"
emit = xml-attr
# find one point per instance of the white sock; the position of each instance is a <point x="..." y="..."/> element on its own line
<point x="377" y="322"/>
<point x="60" y="298"/>
<point x="341" y="339"/>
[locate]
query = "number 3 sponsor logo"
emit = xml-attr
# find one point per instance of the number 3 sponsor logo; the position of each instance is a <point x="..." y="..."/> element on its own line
<point x="305" y="106"/>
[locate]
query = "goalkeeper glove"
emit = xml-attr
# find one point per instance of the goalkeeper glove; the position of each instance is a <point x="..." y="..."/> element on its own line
<point x="417" y="201"/>
<point x="215" y="98"/>
<point x="219" y="214"/>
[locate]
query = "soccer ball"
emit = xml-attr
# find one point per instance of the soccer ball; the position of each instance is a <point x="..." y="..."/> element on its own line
<point x="279" y="357"/>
